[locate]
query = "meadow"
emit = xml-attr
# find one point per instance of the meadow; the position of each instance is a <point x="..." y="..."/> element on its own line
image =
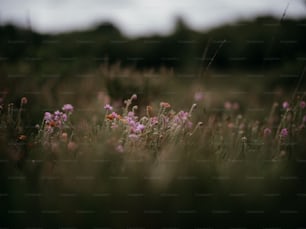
<point x="117" y="146"/>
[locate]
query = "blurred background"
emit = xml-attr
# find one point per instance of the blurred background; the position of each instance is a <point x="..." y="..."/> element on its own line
<point x="97" y="44"/>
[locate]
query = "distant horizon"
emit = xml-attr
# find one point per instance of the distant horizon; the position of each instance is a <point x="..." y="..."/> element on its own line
<point x="136" y="18"/>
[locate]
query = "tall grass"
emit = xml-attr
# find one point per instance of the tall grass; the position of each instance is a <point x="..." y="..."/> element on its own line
<point x="74" y="163"/>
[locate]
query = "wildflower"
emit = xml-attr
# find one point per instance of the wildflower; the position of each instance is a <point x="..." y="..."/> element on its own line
<point x="189" y="124"/>
<point x="57" y="115"/>
<point x="64" y="117"/>
<point x="285" y="105"/>
<point x="230" y="125"/>
<point x="140" y="127"/>
<point x="113" y="115"/>
<point x="48" y="116"/>
<point x="154" y="120"/>
<point x="284" y="132"/>
<point x="131" y="114"/>
<point x="72" y="146"/>
<point x="64" y="137"/>
<point x="24" y="100"/>
<point x="302" y="104"/>
<point x="108" y="107"/>
<point x="236" y="106"/>
<point x="267" y="132"/>
<point x="68" y="108"/>
<point x="228" y="105"/>
<point x="165" y="105"/>
<point x="133" y="137"/>
<point x="119" y="148"/>
<point x="198" y="96"/>
<point x="114" y="126"/>
<point x="183" y="115"/>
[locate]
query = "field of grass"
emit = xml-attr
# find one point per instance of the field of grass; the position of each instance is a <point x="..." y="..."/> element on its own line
<point x="120" y="148"/>
<point x="194" y="129"/>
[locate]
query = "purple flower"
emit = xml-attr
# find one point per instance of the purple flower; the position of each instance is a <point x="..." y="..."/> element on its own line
<point x="64" y="117"/>
<point x="131" y="114"/>
<point x="48" y="116"/>
<point x="57" y="115"/>
<point x="267" y="131"/>
<point x="285" y="105"/>
<point x="108" y="107"/>
<point x="67" y="108"/>
<point x="140" y="127"/>
<point x="284" y="132"/>
<point x="302" y="104"/>
<point x="131" y="122"/>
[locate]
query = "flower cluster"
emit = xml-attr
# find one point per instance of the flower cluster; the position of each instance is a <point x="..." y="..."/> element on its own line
<point x="58" y="118"/>
<point x="148" y="128"/>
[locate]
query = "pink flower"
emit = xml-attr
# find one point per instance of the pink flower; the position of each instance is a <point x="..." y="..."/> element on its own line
<point x="154" y="120"/>
<point x="119" y="148"/>
<point x="67" y="108"/>
<point x="114" y="125"/>
<point x="267" y="132"/>
<point x="183" y="115"/>
<point x="165" y="105"/>
<point x="24" y="100"/>
<point x="236" y="106"/>
<point x="133" y="137"/>
<point x="285" y="105"/>
<point x="189" y="124"/>
<point x="108" y="107"/>
<point x="72" y="146"/>
<point x="230" y="125"/>
<point x="228" y="105"/>
<point x="48" y="116"/>
<point x="198" y="96"/>
<point x="131" y="114"/>
<point x="302" y="104"/>
<point x="284" y="132"/>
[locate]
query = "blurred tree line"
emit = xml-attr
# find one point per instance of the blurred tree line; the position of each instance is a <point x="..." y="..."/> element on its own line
<point x="258" y="44"/>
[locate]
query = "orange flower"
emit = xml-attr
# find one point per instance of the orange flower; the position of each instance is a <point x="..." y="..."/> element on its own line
<point x="110" y="116"/>
<point x="165" y="105"/>
<point x="52" y="123"/>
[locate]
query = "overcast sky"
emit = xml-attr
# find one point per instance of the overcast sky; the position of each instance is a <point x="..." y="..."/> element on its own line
<point x="138" y="17"/>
